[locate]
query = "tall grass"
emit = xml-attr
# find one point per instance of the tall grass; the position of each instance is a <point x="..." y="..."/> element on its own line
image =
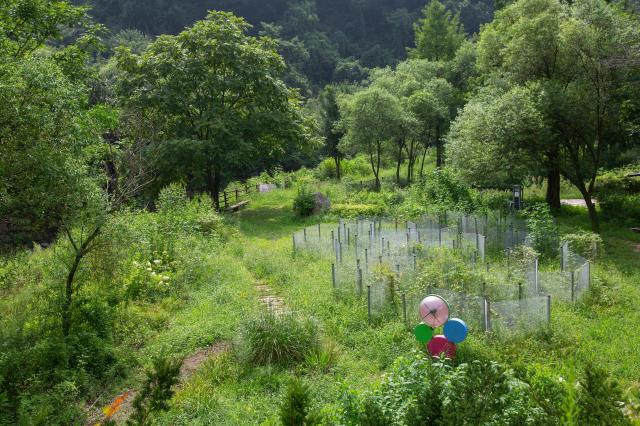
<point x="282" y="340"/>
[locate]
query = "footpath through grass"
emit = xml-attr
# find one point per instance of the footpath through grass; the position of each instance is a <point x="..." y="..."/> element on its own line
<point x="602" y="329"/>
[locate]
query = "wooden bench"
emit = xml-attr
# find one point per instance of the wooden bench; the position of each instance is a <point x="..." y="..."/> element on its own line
<point x="237" y="206"/>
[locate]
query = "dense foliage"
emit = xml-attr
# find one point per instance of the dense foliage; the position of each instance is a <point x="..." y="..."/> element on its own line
<point x="421" y="391"/>
<point x="218" y="98"/>
<point x="115" y="146"/>
<point x="322" y="41"/>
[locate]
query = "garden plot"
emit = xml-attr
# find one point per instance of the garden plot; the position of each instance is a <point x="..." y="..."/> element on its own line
<point x="495" y="281"/>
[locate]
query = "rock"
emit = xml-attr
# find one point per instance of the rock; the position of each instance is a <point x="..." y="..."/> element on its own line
<point x="266" y="187"/>
<point x="320" y="203"/>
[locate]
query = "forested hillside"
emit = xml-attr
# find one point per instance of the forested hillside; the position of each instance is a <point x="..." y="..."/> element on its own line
<point x="322" y="40"/>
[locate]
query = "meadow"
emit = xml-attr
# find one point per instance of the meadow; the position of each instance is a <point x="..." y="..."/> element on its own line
<point x="354" y="354"/>
<point x="186" y="283"/>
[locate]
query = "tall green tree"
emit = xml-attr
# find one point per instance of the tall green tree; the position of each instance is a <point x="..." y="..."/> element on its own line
<point x="580" y="57"/>
<point x="498" y="131"/>
<point x="26" y="25"/>
<point x="329" y="118"/>
<point x="42" y="137"/>
<point x="371" y="119"/>
<point x="438" y="34"/>
<point x="220" y="94"/>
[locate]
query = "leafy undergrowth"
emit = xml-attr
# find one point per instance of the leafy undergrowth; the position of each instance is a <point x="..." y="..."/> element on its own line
<point x="353" y="354"/>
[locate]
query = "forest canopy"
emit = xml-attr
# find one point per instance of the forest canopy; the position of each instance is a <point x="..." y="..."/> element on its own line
<point x="322" y="41"/>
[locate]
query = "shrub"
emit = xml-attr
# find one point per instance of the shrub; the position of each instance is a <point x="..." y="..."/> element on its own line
<point x="619" y="195"/>
<point x="156" y="392"/>
<point x="616" y="181"/>
<point x="441" y="190"/>
<point x="421" y="391"/>
<point x="172" y="197"/>
<point x="542" y="229"/>
<point x="447" y="268"/>
<point x="295" y="410"/>
<point x="620" y="207"/>
<point x="357" y="167"/>
<point x="587" y="244"/>
<point x="304" y="202"/>
<point x="599" y="399"/>
<point x="326" y="169"/>
<point x="494" y="199"/>
<point x="278" y="339"/>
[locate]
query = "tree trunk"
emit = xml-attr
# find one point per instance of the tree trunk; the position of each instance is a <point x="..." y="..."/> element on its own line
<point x="336" y="158"/>
<point x="68" y="295"/>
<point x="411" y="161"/>
<point x="81" y="252"/>
<point x="398" y="164"/>
<point x="593" y="214"/>
<point x="439" y="149"/>
<point x="377" y="171"/>
<point x="553" y="181"/>
<point x="213" y="185"/>
<point x="424" y="156"/>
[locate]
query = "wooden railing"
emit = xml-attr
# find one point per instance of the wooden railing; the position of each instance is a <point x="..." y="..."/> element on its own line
<point x="232" y="196"/>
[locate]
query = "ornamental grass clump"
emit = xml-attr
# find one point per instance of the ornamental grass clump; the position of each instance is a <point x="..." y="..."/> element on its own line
<point x="282" y="340"/>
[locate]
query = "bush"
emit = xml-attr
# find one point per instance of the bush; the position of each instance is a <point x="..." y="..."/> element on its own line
<point x="618" y="207"/>
<point x="619" y="195"/>
<point x="278" y="340"/>
<point x="542" y="229"/>
<point x="421" y="391"/>
<point x="156" y="392"/>
<point x="448" y="269"/>
<point x="304" y="203"/>
<point x="587" y="244"/>
<point x="357" y="167"/>
<point x="494" y="199"/>
<point x="326" y="169"/>
<point x="295" y="409"/>
<point x="441" y="190"/>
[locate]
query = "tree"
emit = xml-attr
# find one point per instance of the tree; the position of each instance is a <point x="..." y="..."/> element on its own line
<point x="580" y="57"/>
<point x="429" y="99"/>
<point x="500" y="132"/>
<point x="329" y="118"/>
<point x="371" y="119"/>
<point x="219" y="91"/>
<point x="28" y="24"/>
<point x="438" y="34"/>
<point x="42" y="134"/>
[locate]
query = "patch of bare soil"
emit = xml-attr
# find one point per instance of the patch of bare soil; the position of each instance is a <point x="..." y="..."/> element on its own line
<point x="120" y="407"/>
<point x="193" y="362"/>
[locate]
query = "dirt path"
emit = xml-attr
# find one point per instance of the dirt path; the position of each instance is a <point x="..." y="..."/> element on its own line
<point x="575" y="202"/>
<point x="272" y="302"/>
<point x="122" y="405"/>
<point x="191" y="364"/>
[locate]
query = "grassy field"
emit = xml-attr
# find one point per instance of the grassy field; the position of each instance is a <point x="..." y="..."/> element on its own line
<point x="216" y="297"/>
<point x="226" y="390"/>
